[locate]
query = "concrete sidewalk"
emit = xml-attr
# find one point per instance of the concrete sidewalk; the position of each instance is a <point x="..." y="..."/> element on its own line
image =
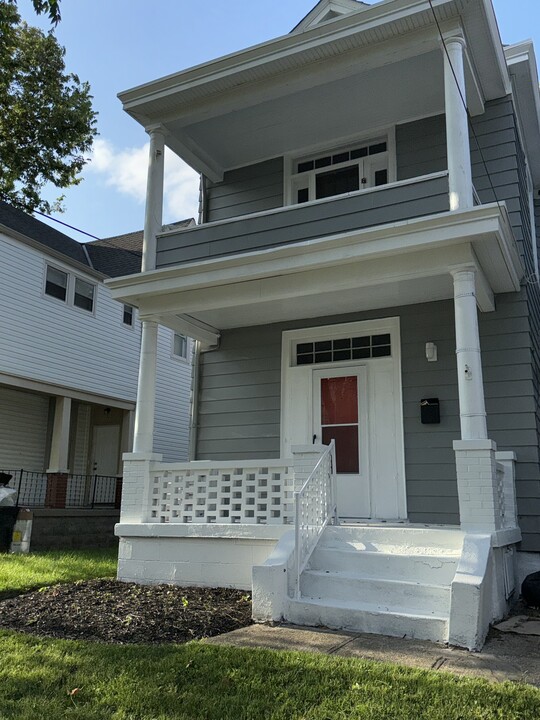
<point x="505" y="656"/>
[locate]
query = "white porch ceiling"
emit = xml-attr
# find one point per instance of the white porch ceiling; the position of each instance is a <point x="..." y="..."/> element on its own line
<point x="342" y="108"/>
<point x="335" y="302"/>
<point x="372" y="68"/>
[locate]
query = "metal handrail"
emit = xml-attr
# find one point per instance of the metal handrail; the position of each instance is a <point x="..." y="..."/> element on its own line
<point x="323" y="511"/>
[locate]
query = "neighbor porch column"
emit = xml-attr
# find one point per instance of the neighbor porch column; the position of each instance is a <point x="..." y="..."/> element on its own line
<point x="457" y="127"/>
<point x="57" y="472"/>
<point x="58" y="456"/>
<point x="481" y="495"/>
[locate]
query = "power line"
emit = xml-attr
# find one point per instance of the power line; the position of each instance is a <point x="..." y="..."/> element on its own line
<point x="464" y="102"/>
<point x="71" y="227"/>
<point x="104" y="241"/>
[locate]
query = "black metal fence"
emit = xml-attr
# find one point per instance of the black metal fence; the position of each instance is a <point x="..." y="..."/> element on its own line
<point x="38" y="490"/>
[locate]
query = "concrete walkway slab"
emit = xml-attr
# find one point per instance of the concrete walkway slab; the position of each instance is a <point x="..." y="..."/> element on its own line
<point x="505" y="656"/>
<point x="520" y="624"/>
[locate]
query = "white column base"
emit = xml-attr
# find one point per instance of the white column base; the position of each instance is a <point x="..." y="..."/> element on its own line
<point x="480" y="503"/>
<point x="136" y="487"/>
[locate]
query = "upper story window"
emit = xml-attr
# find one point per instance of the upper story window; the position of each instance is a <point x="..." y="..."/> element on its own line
<point x="69" y="288"/>
<point x="128" y="315"/>
<point x="83" y="296"/>
<point x="56" y="283"/>
<point x="180" y="346"/>
<point x="363" y="166"/>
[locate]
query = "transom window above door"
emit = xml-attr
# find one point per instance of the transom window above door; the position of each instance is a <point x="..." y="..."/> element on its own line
<point x="355" y="348"/>
<point x="342" y="171"/>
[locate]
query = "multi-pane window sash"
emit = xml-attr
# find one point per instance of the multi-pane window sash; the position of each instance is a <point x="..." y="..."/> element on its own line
<point x="356" y="348"/>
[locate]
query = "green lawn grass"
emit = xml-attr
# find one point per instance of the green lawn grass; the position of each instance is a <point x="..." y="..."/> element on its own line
<point x="204" y="682"/>
<point x="19" y="573"/>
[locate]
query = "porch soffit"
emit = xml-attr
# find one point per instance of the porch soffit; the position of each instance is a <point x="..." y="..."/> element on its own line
<point x="207" y="86"/>
<point x="402" y="263"/>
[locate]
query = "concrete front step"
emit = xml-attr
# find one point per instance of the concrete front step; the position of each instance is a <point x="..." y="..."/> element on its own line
<point x="340" y="587"/>
<point x="369" y="564"/>
<point x="365" y="618"/>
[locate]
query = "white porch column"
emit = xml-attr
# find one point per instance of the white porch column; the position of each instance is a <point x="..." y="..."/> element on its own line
<point x="146" y="390"/>
<point x="457" y="128"/>
<point x="472" y="407"/>
<point x="481" y="500"/>
<point x="153" y="218"/>
<point x="58" y="458"/>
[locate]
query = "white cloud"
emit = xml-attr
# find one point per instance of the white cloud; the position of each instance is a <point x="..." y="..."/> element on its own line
<point x="125" y="170"/>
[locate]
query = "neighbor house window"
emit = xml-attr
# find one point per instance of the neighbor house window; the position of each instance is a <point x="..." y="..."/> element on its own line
<point x="56" y="283"/>
<point x="84" y="295"/>
<point x="128" y="315"/>
<point x="342" y="171"/>
<point x="180" y="346"/>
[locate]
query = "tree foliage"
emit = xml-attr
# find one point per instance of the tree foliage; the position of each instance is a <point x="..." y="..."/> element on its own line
<point x="51" y="7"/>
<point x="46" y="119"/>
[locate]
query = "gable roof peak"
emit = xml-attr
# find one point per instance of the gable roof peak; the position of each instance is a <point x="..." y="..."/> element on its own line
<point x="326" y="10"/>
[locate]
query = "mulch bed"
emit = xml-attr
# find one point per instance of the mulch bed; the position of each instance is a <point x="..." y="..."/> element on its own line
<point x="115" y="612"/>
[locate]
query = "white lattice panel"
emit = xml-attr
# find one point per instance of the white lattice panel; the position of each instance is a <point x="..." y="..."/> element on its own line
<point x="261" y="495"/>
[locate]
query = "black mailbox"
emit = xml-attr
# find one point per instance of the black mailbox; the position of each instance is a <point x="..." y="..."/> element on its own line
<point x="430" y="413"/>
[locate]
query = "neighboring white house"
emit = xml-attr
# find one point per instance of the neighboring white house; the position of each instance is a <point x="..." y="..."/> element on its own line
<point x="69" y="357"/>
<point x="366" y="272"/>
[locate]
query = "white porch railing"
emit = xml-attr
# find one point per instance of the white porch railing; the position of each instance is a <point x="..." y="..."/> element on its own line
<point x="251" y="492"/>
<point x="315" y="506"/>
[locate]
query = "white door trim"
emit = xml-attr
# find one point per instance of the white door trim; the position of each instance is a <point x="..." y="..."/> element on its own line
<point x="296" y="418"/>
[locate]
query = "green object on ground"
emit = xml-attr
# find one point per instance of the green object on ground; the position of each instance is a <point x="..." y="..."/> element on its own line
<point x="21" y="573"/>
<point x="198" y="681"/>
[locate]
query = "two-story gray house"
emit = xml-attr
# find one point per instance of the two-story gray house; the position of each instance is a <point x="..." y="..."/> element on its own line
<point x="363" y="287"/>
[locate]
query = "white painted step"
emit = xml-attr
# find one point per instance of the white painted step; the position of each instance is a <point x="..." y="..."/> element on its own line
<point x="365" y="618"/>
<point x="339" y="587"/>
<point x="402" y="540"/>
<point x="439" y="569"/>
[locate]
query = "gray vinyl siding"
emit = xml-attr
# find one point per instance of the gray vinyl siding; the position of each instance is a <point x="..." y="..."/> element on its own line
<point x="239" y="401"/>
<point x="421" y="147"/>
<point x="305" y="222"/>
<point x="251" y="189"/>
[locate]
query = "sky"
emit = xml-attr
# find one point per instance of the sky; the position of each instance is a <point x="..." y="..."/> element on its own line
<point x="118" y="44"/>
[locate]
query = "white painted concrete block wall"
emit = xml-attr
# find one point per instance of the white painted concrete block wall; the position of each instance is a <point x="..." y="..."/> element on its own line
<point x="476" y="467"/>
<point x="203" y="561"/>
